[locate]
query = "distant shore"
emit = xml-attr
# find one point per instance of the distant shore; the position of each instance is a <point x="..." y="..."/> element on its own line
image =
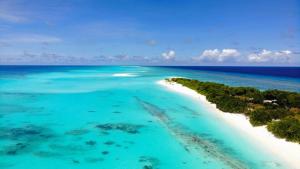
<point x="288" y="152"/>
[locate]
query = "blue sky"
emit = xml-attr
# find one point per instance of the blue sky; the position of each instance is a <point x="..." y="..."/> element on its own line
<point x="150" y="32"/>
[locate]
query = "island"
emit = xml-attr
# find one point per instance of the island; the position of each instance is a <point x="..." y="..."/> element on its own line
<point x="278" y="110"/>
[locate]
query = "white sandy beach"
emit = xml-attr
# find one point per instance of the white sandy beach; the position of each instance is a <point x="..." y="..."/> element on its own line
<point x="287" y="151"/>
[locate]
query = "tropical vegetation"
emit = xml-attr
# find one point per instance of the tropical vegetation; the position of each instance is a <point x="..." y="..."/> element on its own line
<point x="279" y="110"/>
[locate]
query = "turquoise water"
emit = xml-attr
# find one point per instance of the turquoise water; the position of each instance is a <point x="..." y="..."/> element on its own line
<point x="85" y="117"/>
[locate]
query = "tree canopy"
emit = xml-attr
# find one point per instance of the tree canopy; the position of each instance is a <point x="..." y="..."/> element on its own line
<point x="279" y="110"/>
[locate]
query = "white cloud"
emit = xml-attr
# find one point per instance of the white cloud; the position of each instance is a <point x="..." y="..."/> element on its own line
<point x="211" y="53"/>
<point x="218" y="55"/>
<point x="270" y="56"/>
<point x="169" y="55"/>
<point x="229" y="53"/>
<point x="29" y="38"/>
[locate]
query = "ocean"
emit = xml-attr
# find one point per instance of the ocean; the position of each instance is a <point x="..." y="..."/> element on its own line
<point x="118" y="117"/>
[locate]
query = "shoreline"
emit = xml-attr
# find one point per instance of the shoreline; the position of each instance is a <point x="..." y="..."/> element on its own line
<point x="288" y="152"/>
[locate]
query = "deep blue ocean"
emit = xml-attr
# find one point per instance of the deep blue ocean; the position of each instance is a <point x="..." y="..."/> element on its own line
<point x="268" y="71"/>
<point x="119" y="117"/>
<point x="293" y="72"/>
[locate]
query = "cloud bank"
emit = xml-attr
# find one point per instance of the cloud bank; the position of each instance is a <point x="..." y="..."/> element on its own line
<point x="218" y="55"/>
<point x="263" y="56"/>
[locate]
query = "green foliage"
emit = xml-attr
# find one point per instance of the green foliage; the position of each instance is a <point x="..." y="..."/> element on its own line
<point x="288" y="128"/>
<point x="294" y="100"/>
<point x="256" y="96"/>
<point x="263" y="116"/>
<point x="278" y="112"/>
<point x="230" y="104"/>
<point x="260" y="117"/>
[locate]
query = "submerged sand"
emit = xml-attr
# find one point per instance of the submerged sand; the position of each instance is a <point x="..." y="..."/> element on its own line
<point x="287" y="151"/>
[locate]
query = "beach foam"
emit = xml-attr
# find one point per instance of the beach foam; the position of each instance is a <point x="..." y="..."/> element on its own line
<point x="287" y="151"/>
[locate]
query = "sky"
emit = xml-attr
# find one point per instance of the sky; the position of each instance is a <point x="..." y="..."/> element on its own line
<point x="150" y="32"/>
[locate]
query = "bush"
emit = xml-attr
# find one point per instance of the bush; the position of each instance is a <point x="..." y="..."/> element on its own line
<point x="288" y="128"/>
<point x="294" y="100"/>
<point x="260" y="117"/>
<point x="230" y="104"/>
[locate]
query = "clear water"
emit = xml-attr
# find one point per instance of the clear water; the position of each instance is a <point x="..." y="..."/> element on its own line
<point x="86" y="118"/>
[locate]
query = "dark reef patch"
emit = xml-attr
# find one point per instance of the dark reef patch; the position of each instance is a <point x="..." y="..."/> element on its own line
<point x="149" y="162"/>
<point x="105" y="152"/>
<point x="26" y="133"/>
<point x="75" y="161"/>
<point x="77" y="132"/>
<point x="90" y="143"/>
<point x="116" y="112"/>
<point x="25" y="139"/>
<point x="147" y="167"/>
<point x="109" y="143"/>
<point x="14" y="149"/>
<point x="124" y="127"/>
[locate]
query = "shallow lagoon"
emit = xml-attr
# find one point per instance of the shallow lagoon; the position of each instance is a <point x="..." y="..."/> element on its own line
<point x="99" y="117"/>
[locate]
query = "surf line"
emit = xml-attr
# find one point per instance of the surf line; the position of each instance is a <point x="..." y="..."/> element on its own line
<point x="188" y="138"/>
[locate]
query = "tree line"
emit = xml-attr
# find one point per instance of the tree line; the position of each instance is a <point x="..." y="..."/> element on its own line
<point x="279" y="110"/>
